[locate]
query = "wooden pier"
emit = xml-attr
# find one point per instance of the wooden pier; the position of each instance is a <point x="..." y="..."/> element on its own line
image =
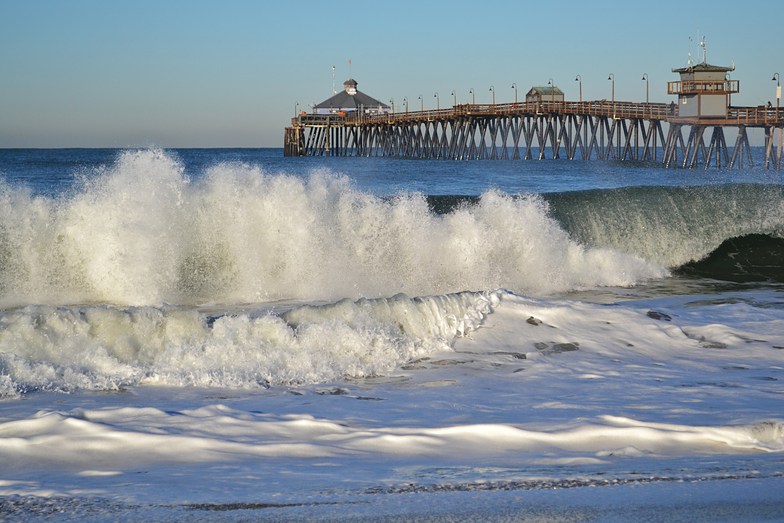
<point x="606" y="130"/>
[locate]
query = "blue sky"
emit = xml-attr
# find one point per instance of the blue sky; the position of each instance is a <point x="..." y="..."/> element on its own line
<point x="177" y="73"/>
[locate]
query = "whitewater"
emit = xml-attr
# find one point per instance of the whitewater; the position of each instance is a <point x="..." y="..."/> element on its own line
<point x="225" y="334"/>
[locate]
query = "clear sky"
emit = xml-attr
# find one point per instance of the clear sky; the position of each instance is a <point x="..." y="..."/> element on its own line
<point x="223" y="73"/>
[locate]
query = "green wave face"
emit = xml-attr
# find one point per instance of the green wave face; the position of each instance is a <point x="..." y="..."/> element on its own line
<point x="671" y="226"/>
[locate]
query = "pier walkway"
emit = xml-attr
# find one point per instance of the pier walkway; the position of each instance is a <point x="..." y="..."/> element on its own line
<point x="608" y="130"/>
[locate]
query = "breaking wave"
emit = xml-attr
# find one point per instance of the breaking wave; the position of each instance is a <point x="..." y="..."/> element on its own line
<point x="143" y="232"/>
<point x="107" y="348"/>
<point x="673" y="226"/>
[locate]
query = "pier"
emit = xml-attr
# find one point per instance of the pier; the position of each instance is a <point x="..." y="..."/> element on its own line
<point x="687" y="133"/>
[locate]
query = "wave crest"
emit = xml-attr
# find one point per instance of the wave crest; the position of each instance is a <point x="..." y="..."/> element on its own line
<point x="143" y="232"/>
<point x="670" y="226"/>
<point x="107" y="348"/>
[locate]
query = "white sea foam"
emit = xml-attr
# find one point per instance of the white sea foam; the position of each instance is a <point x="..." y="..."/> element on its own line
<point x="544" y="392"/>
<point x="106" y="348"/>
<point x="143" y="232"/>
<point x="119" y="438"/>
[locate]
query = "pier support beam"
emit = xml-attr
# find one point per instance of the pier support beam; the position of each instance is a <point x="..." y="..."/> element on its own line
<point x="511" y="133"/>
<point x="773" y="155"/>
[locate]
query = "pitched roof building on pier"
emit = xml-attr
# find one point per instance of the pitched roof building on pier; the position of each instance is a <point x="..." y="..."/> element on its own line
<point x="351" y="99"/>
<point x="544" y="94"/>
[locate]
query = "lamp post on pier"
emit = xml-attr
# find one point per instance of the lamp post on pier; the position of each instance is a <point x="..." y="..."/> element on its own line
<point x="612" y="77"/>
<point x="580" y="79"/>
<point x="405" y="102"/>
<point x="551" y="83"/>
<point x="645" y="77"/>
<point x="296" y="109"/>
<point x="438" y="101"/>
<point x="454" y="98"/>
<point x="392" y="102"/>
<point x="492" y="90"/>
<point x="421" y="103"/>
<point x="473" y="96"/>
<point x="727" y="86"/>
<point x="777" y="78"/>
<point x="514" y="86"/>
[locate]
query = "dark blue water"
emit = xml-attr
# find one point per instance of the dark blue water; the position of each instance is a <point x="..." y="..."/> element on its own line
<point x="54" y="171"/>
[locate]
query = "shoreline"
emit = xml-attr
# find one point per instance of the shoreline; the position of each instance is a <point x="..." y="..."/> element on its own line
<point x="737" y="499"/>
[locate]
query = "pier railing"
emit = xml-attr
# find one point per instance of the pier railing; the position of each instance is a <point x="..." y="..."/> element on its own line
<point x="605" y="129"/>
<point x="616" y="109"/>
<point x="750" y="116"/>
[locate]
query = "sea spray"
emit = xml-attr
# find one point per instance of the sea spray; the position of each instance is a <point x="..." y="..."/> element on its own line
<point x="143" y="232"/>
<point x="670" y="226"/>
<point x="109" y="348"/>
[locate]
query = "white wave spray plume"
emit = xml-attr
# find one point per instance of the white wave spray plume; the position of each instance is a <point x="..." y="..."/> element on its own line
<point x="143" y="232"/>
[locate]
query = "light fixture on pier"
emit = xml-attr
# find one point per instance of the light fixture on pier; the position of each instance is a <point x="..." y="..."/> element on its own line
<point x="645" y="77"/>
<point x="492" y="90"/>
<point x="438" y="101"/>
<point x="612" y="77"/>
<point x="514" y="86"/>
<point x="580" y="79"/>
<point x="551" y="83"/>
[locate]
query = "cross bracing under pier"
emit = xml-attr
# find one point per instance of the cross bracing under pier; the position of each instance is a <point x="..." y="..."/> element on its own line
<point x="605" y="130"/>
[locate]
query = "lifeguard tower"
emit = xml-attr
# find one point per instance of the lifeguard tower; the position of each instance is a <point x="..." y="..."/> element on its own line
<point x="704" y="100"/>
<point x="704" y="90"/>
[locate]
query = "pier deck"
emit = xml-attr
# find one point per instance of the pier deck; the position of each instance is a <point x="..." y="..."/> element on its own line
<point x="601" y="129"/>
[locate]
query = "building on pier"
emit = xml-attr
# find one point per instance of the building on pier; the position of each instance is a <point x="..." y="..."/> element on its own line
<point x="703" y="90"/>
<point x="704" y="93"/>
<point x="544" y="94"/>
<point x="351" y="100"/>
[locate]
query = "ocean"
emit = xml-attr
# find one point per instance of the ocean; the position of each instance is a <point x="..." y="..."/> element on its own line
<point x="231" y="335"/>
